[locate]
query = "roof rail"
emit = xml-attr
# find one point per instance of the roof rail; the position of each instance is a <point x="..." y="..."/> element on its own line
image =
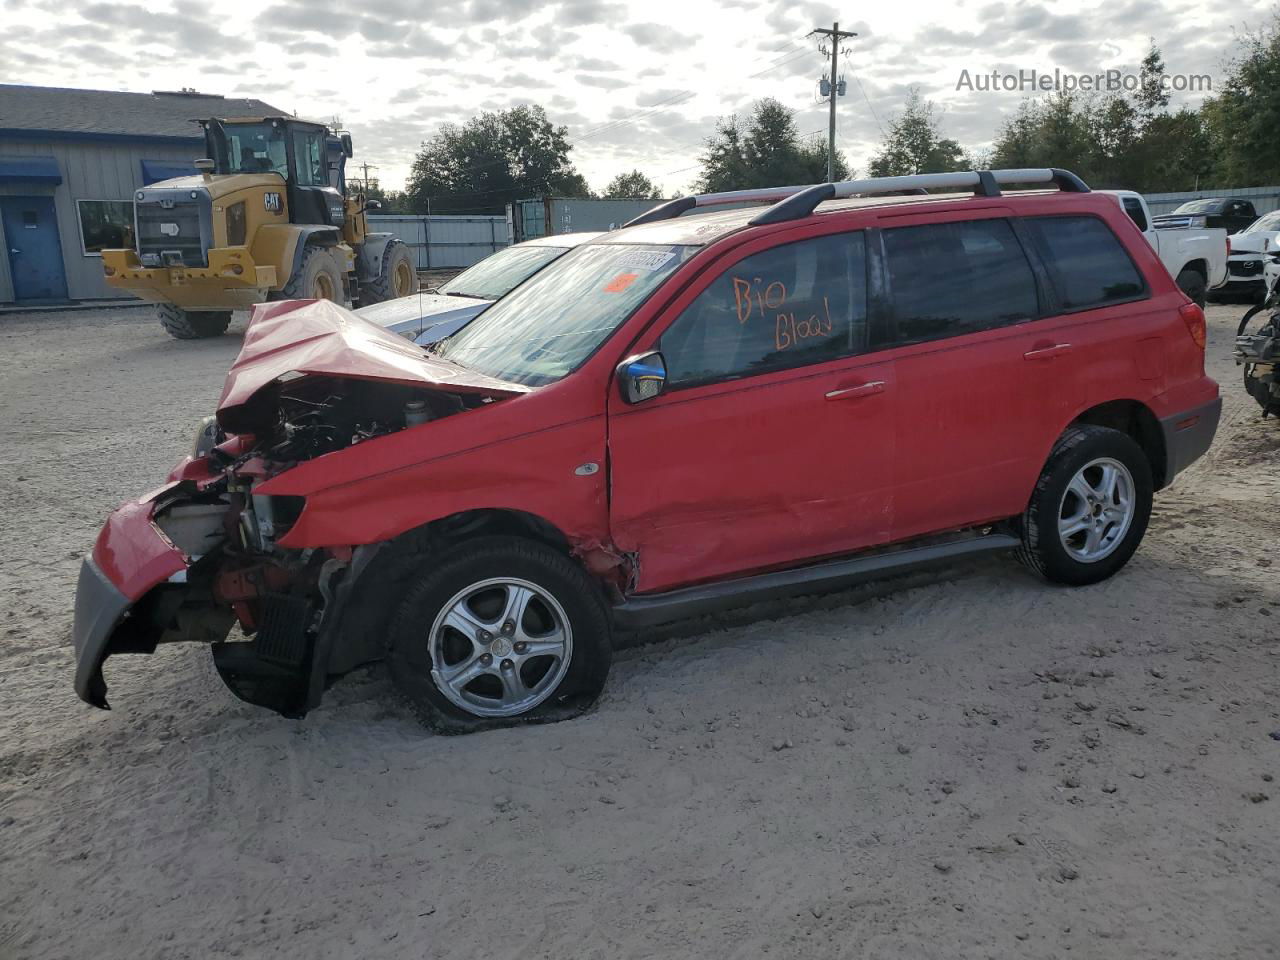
<point x="792" y="203"/>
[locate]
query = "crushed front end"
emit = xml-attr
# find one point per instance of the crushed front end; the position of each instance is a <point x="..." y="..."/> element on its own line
<point x="201" y="554"/>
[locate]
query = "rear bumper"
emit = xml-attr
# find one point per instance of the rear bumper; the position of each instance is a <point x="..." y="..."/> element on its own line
<point x="1187" y="436"/>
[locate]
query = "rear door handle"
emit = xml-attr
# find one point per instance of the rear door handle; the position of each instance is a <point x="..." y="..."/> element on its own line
<point x="852" y="393"/>
<point x="1047" y="353"/>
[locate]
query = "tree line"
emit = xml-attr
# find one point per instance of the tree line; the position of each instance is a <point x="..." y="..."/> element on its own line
<point x="1128" y="139"/>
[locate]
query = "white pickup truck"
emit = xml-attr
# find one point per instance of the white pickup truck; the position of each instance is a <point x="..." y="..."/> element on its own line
<point x="1196" y="257"/>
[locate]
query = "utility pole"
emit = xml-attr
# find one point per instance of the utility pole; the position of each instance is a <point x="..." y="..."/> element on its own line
<point x="835" y="34"/>
<point x="366" y="167"/>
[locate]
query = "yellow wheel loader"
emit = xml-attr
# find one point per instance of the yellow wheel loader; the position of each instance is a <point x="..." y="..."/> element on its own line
<point x="268" y="217"/>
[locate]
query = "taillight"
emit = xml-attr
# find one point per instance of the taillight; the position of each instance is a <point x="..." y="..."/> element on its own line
<point x="1193" y="317"/>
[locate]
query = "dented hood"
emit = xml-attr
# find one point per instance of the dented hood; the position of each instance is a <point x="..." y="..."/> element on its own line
<point x="320" y="338"/>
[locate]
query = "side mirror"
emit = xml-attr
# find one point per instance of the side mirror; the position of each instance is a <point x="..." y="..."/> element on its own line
<point x="347" y="147"/>
<point x="373" y="205"/>
<point x="642" y="377"/>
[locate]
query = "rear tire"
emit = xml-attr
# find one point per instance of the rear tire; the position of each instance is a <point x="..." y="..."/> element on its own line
<point x="1077" y="529"/>
<point x="1192" y="283"/>
<point x="192" y="324"/>
<point x="545" y="662"/>
<point x="399" y="276"/>
<point x="317" y="278"/>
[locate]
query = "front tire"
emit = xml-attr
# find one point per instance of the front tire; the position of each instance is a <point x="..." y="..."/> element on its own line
<point x="500" y="631"/>
<point x="399" y="276"/>
<point x="192" y="324"/>
<point x="317" y="278"/>
<point x="1090" y="507"/>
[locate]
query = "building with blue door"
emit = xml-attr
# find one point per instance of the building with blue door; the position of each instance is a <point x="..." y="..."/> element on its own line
<point x="70" y="161"/>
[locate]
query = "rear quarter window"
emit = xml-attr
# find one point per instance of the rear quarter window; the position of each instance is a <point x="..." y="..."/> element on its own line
<point x="1088" y="265"/>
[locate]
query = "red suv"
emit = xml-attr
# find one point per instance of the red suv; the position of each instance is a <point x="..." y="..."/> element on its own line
<point x="687" y="413"/>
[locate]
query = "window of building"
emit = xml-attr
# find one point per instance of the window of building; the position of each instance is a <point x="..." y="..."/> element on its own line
<point x="105" y="225"/>
<point x="795" y="304"/>
<point x="949" y="279"/>
<point x="1088" y="265"/>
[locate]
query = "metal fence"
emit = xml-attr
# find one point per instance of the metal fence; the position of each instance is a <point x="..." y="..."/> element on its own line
<point x="1264" y="199"/>
<point x="445" y="241"/>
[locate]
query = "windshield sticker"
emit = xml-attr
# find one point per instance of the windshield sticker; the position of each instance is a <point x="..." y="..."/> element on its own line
<point x="645" y="260"/>
<point x="620" y="282"/>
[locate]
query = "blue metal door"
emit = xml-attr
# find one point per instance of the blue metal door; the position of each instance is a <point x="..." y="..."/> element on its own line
<point x="35" y="255"/>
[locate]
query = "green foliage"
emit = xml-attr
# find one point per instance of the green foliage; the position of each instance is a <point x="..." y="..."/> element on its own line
<point x="915" y="143"/>
<point x="633" y="184"/>
<point x="763" y="150"/>
<point x="492" y="160"/>
<point x="1243" y="119"/>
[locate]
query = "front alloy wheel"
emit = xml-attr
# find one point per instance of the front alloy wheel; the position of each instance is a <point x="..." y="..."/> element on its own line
<point x="500" y="647"/>
<point x="497" y="631"/>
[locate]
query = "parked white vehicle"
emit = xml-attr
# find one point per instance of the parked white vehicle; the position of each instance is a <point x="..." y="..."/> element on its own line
<point x="1245" y="266"/>
<point x="1196" y="257"/>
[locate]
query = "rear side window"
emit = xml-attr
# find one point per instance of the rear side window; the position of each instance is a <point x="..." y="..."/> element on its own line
<point x="1133" y="207"/>
<point x="1088" y="265"/>
<point x="949" y="279"/>
<point x="793" y="305"/>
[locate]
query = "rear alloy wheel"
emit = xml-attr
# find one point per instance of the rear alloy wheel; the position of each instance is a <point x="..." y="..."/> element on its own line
<point x="192" y="324"/>
<point x="500" y="631"/>
<point x="1090" y="507"/>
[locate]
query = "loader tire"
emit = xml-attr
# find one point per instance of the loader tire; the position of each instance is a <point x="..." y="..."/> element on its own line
<point x="317" y="278"/>
<point x="399" y="276"/>
<point x="192" y="324"/>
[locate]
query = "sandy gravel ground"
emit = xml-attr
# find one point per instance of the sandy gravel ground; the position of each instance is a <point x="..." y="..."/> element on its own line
<point x="976" y="765"/>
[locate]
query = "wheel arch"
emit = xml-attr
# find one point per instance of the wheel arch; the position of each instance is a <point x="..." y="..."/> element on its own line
<point x="369" y="256"/>
<point x="358" y="632"/>
<point x="1135" y="419"/>
<point x="1200" y="266"/>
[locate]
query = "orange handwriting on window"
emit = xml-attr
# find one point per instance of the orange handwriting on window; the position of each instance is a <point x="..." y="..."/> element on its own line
<point x="788" y="331"/>
<point x="754" y="296"/>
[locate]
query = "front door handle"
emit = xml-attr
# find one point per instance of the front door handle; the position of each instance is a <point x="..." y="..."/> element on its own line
<point x="14" y="250"/>
<point x="852" y="393"/>
<point x="1047" y="353"/>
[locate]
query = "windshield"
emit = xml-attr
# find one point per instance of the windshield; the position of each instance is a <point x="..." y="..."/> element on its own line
<point x="1270" y="222"/>
<point x="495" y="276"/>
<point x="1199" y="206"/>
<point x="549" y="326"/>
<point x="255" y="148"/>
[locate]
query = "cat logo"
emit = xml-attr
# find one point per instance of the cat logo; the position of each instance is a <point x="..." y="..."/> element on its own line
<point x="271" y="201"/>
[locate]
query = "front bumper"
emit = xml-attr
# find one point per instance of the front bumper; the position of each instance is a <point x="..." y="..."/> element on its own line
<point x="231" y="281"/>
<point x="1187" y="436"/>
<point x="130" y="558"/>
<point x="99" y="608"/>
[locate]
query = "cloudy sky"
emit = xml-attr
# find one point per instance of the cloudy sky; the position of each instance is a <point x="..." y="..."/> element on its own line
<point x="637" y="84"/>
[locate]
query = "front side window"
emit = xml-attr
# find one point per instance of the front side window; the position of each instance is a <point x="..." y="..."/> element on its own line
<point x="793" y="305"/>
<point x="549" y="326"/>
<point x="105" y="225"/>
<point x="949" y="279"/>
<point x="309" y="158"/>
<point x="1087" y="264"/>
<point x="498" y="275"/>
<point x="256" y="148"/>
